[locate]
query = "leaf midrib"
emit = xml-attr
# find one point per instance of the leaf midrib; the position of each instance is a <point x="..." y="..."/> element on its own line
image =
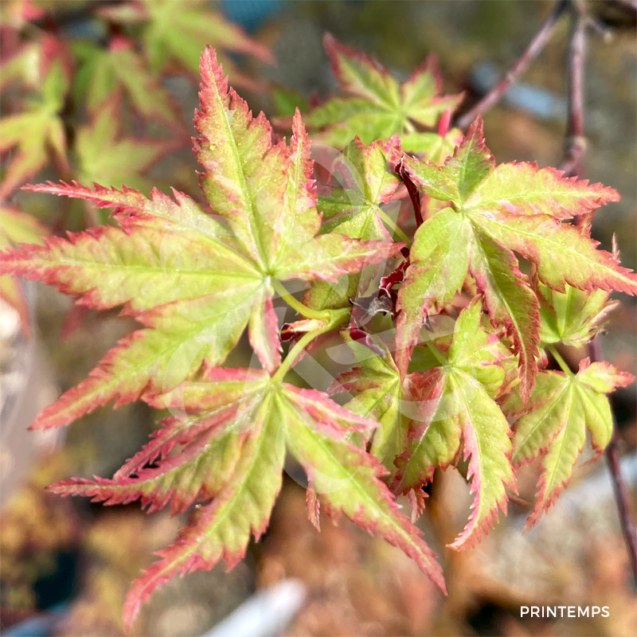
<point x="540" y="423"/>
<point x="380" y="514"/>
<point x="558" y="247"/>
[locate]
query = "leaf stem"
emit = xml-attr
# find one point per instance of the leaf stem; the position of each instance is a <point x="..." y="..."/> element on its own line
<point x="295" y="304"/>
<point x="335" y="318"/>
<point x="534" y="48"/>
<point x="560" y="360"/>
<point x="413" y="192"/>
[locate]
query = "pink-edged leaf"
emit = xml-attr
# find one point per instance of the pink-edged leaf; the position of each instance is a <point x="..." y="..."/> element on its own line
<point x="364" y="181"/>
<point x="330" y="256"/>
<point x="198" y="472"/>
<point x="347" y="481"/>
<point x="359" y="75"/>
<point x="524" y="188"/>
<point x="471" y="163"/>
<point x="509" y="300"/>
<point x="553" y="425"/>
<point x="421" y="94"/>
<point x="221" y="530"/>
<point x="453" y="409"/>
<point x="174" y="34"/>
<point x="196" y="281"/>
<point x="104" y="154"/>
<point x="439" y="263"/>
<point x="519" y="208"/>
<point x="562" y="254"/>
<point x="264" y="333"/>
<point x="434" y="438"/>
<point x="377" y="106"/>
<point x="265" y="418"/>
<point x="603" y="377"/>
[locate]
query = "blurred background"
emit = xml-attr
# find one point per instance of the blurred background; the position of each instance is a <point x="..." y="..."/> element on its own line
<point x="66" y="564"/>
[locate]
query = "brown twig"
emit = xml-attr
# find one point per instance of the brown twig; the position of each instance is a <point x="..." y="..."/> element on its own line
<point x="573" y="165"/>
<point x="575" y="149"/>
<point x="530" y="53"/>
<point x="575" y="136"/>
<point x="619" y="485"/>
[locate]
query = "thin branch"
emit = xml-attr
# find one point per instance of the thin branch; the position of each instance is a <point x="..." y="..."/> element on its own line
<point x="573" y="165"/>
<point x="623" y="502"/>
<point x="534" y="48"/>
<point x="576" y="138"/>
<point x="619" y="485"/>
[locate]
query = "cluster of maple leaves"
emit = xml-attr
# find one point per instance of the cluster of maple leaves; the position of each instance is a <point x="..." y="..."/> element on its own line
<point x="451" y="369"/>
<point x="65" y="100"/>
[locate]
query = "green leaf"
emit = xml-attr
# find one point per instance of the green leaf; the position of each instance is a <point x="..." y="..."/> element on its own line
<point x="378" y="106"/>
<point x="196" y="280"/>
<point x="455" y="413"/>
<point x="36" y="134"/>
<point x="433" y="147"/>
<point x="378" y="393"/>
<point x="573" y="317"/>
<point x="437" y="270"/>
<point x="524" y="189"/>
<point x="520" y="208"/>
<point x="287" y="100"/>
<point x="553" y="425"/>
<point x="104" y="156"/>
<point x="232" y="432"/>
<point x="102" y="72"/>
<point x="178" y="31"/>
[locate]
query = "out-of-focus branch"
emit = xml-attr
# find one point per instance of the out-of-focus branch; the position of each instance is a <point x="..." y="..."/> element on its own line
<point x="530" y="53"/>
<point x="619" y="485"/>
<point x="573" y="165"/>
<point x="575" y="136"/>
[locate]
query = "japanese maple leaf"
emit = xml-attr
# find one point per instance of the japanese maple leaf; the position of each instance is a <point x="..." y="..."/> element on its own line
<point x="380" y="393"/>
<point x="554" y="422"/>
<point x="178" y="31"/>
<point x="103" y="71"/>
<point x="104" y="156"/>
<point x="573" y="317"/>
<point x="433" y="147"/>
<point x="233" y="429"/>
<point x="195" y="280"/>
<point x="454" y="410"/>
<point x="17" y="227"/>
<point x="496" y="211"/>
<point x="378" y="106"/>
<point x="355" y="206"/>
<point x="36" y="133"/>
